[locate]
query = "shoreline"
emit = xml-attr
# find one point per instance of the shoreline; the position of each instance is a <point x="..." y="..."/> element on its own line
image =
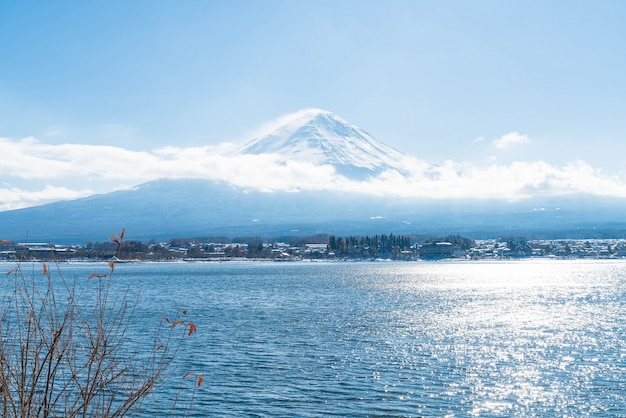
<point x="310" y="261"/>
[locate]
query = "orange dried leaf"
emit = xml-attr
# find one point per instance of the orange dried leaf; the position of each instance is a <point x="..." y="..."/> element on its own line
<point x="117" y="241"/>
<point x="11" y="271"/>
<point x="114" y="236"/>
<point x="186" y="375"/>
<point x="177" y="323"/>
<point x="99" y="276"/>
<point x="166" y="319"/>
<point x="192" y="328"/>
<point x="111" y="265"/>
<point x="200" y="380"/>
<point x="44" y="269"/>
<point x="158" y="347"/>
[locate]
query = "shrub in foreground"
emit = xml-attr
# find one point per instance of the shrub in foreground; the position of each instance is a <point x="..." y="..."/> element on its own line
<point x="64" y="351"/>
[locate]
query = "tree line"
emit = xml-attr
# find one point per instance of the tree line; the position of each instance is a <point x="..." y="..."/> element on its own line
<point x="370" y="247"/>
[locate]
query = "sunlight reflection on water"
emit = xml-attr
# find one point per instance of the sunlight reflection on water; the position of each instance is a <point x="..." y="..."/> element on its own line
<point x="531" y="334"/>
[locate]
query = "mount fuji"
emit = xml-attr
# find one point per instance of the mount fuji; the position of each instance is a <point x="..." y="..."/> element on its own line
<point x="196" y="207"/>
<point x="322" y="138"/>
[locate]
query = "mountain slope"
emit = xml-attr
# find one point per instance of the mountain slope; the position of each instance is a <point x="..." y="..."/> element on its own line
<point x="321" y="137"/>
<point x="165" y="209"/>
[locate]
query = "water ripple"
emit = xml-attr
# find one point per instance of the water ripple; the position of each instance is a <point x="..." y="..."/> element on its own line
<point x="532" y="338"/>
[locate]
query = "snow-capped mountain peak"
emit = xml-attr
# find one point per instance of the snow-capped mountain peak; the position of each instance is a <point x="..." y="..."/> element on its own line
<point x="321" y="137"/>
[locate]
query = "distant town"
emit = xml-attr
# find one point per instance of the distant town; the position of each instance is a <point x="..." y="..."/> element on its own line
<point x="318" y="247"/>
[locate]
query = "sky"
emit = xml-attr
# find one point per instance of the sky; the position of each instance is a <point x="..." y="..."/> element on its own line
<point x="97" y="96"/>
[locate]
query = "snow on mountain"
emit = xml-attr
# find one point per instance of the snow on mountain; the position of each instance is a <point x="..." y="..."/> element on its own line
<point x="320" y="137"/>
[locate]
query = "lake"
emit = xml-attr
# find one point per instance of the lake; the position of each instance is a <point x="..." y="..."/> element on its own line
<point x="520" y="338"/>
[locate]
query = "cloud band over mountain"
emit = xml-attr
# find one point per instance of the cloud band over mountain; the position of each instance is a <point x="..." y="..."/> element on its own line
<point x="35" y="172"/>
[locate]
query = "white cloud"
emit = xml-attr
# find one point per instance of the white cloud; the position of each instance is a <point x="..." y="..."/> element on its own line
<point x="47" y="173"/>
<point x="54" y="131"/>
<point x="511" y="139"/>
<point x="15" y="198"/>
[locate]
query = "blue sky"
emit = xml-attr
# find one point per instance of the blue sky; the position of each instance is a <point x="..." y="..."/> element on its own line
<point x="439" y="80"/>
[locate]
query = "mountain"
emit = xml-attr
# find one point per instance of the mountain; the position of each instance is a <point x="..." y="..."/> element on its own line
<point x="165" y="209"/>
<point x="320" y="137"/>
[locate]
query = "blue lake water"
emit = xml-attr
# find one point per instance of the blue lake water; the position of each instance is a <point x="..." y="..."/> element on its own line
<point x="526" y="338"/>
